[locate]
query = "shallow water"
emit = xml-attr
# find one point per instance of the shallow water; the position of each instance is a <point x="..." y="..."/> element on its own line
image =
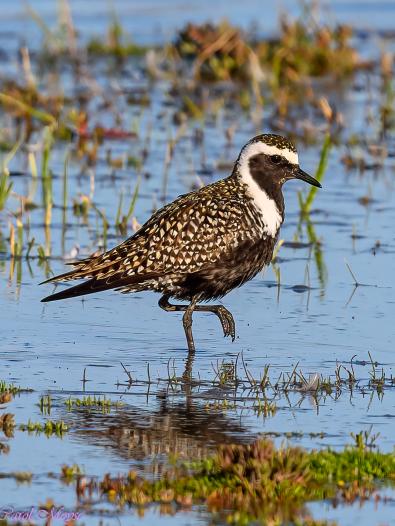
<point x="317" y="318"/>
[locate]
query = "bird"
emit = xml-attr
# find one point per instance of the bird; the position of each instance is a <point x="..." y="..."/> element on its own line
<point x="203" y="244"/>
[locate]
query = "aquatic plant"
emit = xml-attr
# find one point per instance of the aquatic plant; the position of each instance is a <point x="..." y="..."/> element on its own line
<point x="220" y="52"/>
<point x="49" y="428"/>
<point x="305" y="204"/>
<point x="92" y="402"/>
<point x="61" y="39"/>
<point x="121" y="220"/>
<point x="46" y="175"/>
<point x="45" y="404"/>
<point x="11" y="388"/>
<point x="71" y="472"/>
<point x="5" y="183"/>
<point x="306" y="48"/>
<point x="303" y="49"/>
<point x="258" y="482"/>
<point x="5" y="189"/>
<point x="23" y="103"/>
<point x="115" y="44"/>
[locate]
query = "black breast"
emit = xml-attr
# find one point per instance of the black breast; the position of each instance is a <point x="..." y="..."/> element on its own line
<point x="237" y="267"/>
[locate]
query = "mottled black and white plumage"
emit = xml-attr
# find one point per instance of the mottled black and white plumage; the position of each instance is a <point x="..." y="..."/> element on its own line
<point x="205" y="243"/>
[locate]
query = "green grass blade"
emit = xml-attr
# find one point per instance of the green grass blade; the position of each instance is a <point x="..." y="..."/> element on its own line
<point x="133" y="201"/>
<point x="319" y="174"/>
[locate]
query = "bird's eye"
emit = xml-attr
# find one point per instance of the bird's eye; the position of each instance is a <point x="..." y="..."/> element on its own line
<point x="276" y="159"/>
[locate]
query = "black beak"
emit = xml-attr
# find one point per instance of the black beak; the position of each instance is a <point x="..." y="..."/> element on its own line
<point x="300" y="174"/>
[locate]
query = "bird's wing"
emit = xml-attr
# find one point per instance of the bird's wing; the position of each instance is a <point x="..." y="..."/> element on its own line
<point x="182" y="237"/>
<point x="193" y="234"/>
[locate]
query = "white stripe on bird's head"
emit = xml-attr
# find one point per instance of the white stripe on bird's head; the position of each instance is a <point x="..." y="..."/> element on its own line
<point x="256" y="147"/>
<point x="268" y="145"/>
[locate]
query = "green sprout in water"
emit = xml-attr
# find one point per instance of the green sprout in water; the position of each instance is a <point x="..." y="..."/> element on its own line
<point x="5" y="189"/>
<point x="46" y="174"/>
<point x="116" y="44"/>
<point x="50" y="427"/>
<point x="121" y="221"/>
<point x="5" y="184"/>
<point x="305" y="204"/>
<point x="305" y="208"/>
<point x="11" y="388"/>
<point x="70" y="472"/>
<point x="92" y="402"/>
<point x="45" y="404"/>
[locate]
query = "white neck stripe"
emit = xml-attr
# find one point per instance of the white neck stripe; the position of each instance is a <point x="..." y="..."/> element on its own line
<point x="255" y="148"/>
<point x="267" y="208"/>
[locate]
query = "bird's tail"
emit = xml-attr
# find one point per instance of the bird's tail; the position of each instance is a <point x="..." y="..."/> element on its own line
<point x="134" y="283"/>
<point x="67" y="276"/>
<point x="88" y="287"/>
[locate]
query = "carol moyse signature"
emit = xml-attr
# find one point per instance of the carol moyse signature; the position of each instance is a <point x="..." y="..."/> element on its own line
<point x="42" y="513"/>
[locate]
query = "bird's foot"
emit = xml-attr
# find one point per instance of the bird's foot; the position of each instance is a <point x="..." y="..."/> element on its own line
<point x="227" y="322"/>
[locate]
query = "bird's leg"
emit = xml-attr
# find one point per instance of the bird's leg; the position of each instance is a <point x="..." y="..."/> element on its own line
<point x="186" y="320"/>
<point x="225" y="317"/>
<point x="187" y="374"/>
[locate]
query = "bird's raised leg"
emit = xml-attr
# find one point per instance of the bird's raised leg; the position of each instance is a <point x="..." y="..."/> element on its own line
<point x="225" y="317"/>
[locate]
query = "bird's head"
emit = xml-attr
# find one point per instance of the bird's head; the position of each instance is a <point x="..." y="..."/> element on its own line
<point x="270" y="160"/>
